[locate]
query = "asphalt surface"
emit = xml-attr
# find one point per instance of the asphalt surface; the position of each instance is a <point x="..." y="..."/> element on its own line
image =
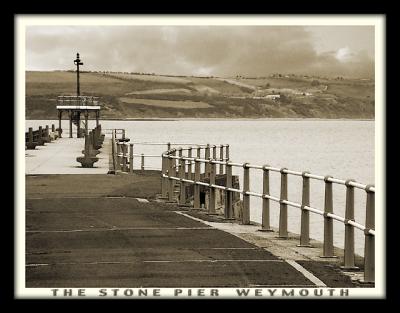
<point x="97" y="231"/>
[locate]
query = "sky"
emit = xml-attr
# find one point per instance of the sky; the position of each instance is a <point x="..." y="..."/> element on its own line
<point x="223" y="51"/>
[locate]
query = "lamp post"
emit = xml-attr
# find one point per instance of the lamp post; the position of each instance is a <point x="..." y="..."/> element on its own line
<point x="77" y="62"/>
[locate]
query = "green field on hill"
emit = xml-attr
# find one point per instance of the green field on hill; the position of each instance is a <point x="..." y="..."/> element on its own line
<point x="124" y="95"/>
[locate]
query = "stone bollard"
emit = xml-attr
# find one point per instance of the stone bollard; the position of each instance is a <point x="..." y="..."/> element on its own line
<point x="40" y="137"/>
<point x="87" y="161"/>
<point x="30" y="144"/>
<point x="92" y="151"/>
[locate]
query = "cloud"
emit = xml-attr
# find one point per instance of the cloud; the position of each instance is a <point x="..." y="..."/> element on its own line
<point x="190" y="50"/>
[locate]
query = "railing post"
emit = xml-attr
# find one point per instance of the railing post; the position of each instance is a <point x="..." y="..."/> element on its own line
<point x="199" y="156"/>
<point x="246" y="197"/>
<point x="171" y="169"/>
<point x="228" y="194"/>
<point x="221" y="158"/>
<point x="190" y="168"/>
<point x="349" y="259"/>
<point x="118" y="156"/>
<point x="265" y="224"/>
<point x="196" y="202"/>
<point x="227" y="152"/>
<point x="123" y="133"/>
<point x="124" y="157"/>
<point x="131" y="158"/>
<point x="142" y="162"/>
<point x="328" y="250"/>
<point x="164" y="181"/>
<point x="305" y="214"/>
<point x="168" y="146"/>
<point x="369" y="248"/>
<point x="211" y="205"/>
<point x="283" y="217"/>
<point x="182" y="189"/>
<point x="207" y="157"/>
<point x="214" y="152"/>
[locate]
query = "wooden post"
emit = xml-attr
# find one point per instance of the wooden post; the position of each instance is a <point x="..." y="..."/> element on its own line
<point x="349" y="258"/>
<point x="142" y="162"/>
<point x="369" y="247"/>
<point x="246" y="197"/>
<point x="265" y="224"/>
<point x="228" y="194"/>
<point x="221" y="158"/>
<point x="190" y="169"/>
<point x="211" y="206"/>
<point x="283" y="217"/>
<point x="59" y="123"/>
<point x="207" y="157"/>
<point x="124" y="157"/>
<point x="196" y="202"/>
<point x="328" y="250"/>
<point x="131" y="158"/>
<point x="305" y="214"/>
<point x="70" y="124"/>
<point x="171" y="170"/>
<point x="182" y="189"/>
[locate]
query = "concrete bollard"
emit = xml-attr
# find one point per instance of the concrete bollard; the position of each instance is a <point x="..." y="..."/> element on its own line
<point x="349" y="258"/>
<point x="182" y="187"/>
<point x="142" y="162"/>
<point x="131" y="159"/>
<point x="369" y="247"/>
<point x="196" y="196"/>
<point x="228" y="194"/>
<point x="87" y="161"/>
<point x="47" y="134"/>
<point x="246" y="197"/>
<point x="305" y="214"/>
<point x="265" y="223"/>
<point x="328" y="250"/>
<point x="283" y="217"/>
<point x="221" y="158"/>
<point x="92" y="150"/>
<point x="211" y="204"/>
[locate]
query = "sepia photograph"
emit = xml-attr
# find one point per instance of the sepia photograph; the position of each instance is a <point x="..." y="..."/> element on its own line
<point x="196" y="156"/>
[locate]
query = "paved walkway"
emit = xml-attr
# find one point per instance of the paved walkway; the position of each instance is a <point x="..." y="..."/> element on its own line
<point x="59" y="157"/>
<point x="110" y="231"/>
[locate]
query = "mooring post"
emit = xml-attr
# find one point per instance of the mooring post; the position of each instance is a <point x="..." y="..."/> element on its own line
<point x="182" y="172"/>
<point x="283" y="217"/>
<point x="369" y="247"/>
<point x="87" y="122"/>
<point x="211" y="205"/>
<point x="207" y="157"/>
<point x="228" y="194"/>
<point x="221" y="158"/>
<point x="265" y="224"/>
<point x="328" y="250"/>
<point x="196" y="196"/>
<point x="349" y="258"/>
<point x="305" y="214"/>
<point x="246" y="197"/>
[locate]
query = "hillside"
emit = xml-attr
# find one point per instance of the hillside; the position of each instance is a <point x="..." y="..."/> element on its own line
<point x="152" y="96"/>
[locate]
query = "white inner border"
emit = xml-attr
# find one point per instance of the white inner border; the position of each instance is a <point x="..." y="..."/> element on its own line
<point x="22" y="21"/>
